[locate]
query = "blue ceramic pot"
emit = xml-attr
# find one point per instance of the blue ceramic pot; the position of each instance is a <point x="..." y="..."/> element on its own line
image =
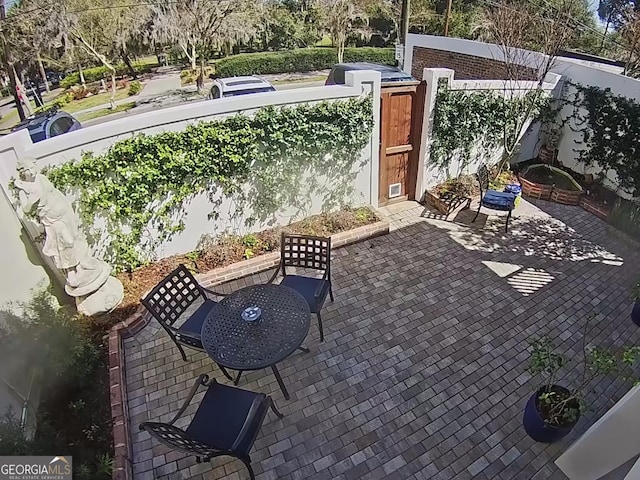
<point x="635" y="313"/>
<point x="534" y="424"/>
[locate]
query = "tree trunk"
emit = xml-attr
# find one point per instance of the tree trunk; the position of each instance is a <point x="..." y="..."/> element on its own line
<point x="200" y="80"/>
<point x="194" y="65"/>
<point x="43" y="74"/>
<point x="81" y="75"/>
<point x="340" y="51"/>
<point x="604" y="34"/>
<point x="127" y="62"/>
<point x="112" y="100"/>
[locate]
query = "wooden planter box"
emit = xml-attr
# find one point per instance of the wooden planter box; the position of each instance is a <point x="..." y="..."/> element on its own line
<point x="565" y="197"/>
<point x="548" y="155"/>
<point x="445" y="205"/>
<point x="535" y="190"/>
<point x="596" y="209"/>
<point x="433" y="200"/>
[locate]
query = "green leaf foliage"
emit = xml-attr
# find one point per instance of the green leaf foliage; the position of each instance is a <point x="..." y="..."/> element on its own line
<point x="143" y="183"/>
<point x="466" y="121"/>
<point x="298" y="60"/>
<point x="610" y="133"/>
<point x="98" y="73"/>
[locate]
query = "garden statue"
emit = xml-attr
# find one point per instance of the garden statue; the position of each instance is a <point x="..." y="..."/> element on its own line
<point x="89" y="279"/>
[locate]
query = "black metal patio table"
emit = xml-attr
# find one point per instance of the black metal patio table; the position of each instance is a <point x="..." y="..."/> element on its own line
<point x="247" y="343"/>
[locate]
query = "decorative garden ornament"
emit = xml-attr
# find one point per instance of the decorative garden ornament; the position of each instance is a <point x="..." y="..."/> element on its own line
<point x="89" y="279"/>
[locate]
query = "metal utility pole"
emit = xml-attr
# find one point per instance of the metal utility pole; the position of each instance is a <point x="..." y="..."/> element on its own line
<point x="447" y="15"/>
<point x="6" y="65"/>
<point x="404" y="26"/>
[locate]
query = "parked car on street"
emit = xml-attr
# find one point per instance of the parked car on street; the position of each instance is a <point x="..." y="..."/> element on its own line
<point x="48" y="124"/>
<point x="388" y="73"/>
<point x="234" y="86"/>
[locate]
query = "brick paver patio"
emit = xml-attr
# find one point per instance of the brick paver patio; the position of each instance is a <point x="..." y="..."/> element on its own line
<point x="422" y="373"/>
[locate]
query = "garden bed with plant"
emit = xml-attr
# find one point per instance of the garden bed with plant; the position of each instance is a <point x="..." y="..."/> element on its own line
<point x="225" y="250"/>
<point x="453" y="192"/>
<point x="67" y="353"/>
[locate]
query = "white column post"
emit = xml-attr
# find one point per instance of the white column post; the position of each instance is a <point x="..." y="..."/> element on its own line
<point x="432" y="77"/>
<point x="369" y="81"/>
<point x="607" y="444"/>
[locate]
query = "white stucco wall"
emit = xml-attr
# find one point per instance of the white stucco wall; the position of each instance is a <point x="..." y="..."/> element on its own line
<point x="431" y="174"/>
<point x="572" y="70"/>
<point x="97" y="139"/>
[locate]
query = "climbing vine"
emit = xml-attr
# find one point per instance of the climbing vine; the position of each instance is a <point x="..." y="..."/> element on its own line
<point x="137" y="191"/>
<point x="468" y="122"/>
<point x="608" y="132"/>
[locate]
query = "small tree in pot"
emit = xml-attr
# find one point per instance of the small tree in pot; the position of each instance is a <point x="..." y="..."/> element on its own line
<point x="553" y="410"/>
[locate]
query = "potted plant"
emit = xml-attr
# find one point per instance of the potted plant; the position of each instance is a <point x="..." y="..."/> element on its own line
<point x="553" y="410"/>
<point x="635" y="295"/>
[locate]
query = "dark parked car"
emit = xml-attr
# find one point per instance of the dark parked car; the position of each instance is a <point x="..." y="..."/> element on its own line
<point x="48" y="124"/>
<point x="389" y="74"/>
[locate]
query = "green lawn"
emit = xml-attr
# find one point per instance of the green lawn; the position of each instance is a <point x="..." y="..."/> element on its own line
<point x="94" y="101"/>
<point x="9" y="120"/>
<point x="84" y="117"/>
<point x="325" y="42"/>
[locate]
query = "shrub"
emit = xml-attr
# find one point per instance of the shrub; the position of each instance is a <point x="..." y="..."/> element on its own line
<point x="98" y="73"/>
<point x="73" y="414"/>
<point x="625" y="216"/>
<point x="300" y="60"/>
<point x="135" y="88"/>
<point x="63" y="99"/>
<point x="79" y="92"/>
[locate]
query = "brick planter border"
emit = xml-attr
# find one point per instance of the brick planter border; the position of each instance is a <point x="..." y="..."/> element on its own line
<point x="117" y="381"/>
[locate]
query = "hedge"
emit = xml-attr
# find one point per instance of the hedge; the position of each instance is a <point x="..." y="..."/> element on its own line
<point x="299" y="60"/>
<point x="98" y="73"/>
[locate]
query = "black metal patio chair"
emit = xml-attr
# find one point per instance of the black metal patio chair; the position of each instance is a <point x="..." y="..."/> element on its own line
<point x="493" y="199"/>
<point x="305" y="251"/>
<point x="226" y="423"/>
<point x="171" y="298"/>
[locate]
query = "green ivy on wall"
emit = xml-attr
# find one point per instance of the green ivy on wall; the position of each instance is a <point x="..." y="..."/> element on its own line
<point x="466" y="122"/>
<point x="138" y="190"/>
<point x="609" y="132"/>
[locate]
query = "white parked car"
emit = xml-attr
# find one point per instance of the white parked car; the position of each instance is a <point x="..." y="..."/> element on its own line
<point x="234" y="86"/>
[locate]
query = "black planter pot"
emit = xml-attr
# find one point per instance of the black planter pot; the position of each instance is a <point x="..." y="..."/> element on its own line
<point x="635" y="313"/>
<point x="534" y="424"/>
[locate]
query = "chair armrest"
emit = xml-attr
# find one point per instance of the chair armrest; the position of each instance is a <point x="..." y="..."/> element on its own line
<point x="275" y="273"/>
<point x="248" y="421"/>
<point x="213" y="292"/>
<point x="320" y="286"/>
<point x="203" y="379"/>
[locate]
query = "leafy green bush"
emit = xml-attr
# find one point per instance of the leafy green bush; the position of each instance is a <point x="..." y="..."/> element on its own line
<point x="625" y="216"/>
<point x="68" y="356"/>
<point x="135" y="88"/>
<point x="98" y="73"/>
<point x="385" y="56"/>
<point x="141" y="183"/>
<point x="300" y="60"/>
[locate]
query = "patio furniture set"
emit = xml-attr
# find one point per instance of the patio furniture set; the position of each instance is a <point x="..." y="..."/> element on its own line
<point x="253" y="328"/>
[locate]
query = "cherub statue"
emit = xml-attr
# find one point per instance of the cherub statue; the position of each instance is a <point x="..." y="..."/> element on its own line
<point x="64" y="241"/>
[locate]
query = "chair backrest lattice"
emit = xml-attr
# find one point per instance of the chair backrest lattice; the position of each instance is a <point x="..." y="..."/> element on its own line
<point x="178" y="439"/>
<point x="305" y="251"/>
<point x="483" y="177"/>
<point x="173" y="295"/>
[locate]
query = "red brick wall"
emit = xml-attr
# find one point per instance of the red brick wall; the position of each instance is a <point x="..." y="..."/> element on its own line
<point x="467" y="67"/>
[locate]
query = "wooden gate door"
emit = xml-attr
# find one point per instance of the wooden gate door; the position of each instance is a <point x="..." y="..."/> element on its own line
<point x="400" y="131"/>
